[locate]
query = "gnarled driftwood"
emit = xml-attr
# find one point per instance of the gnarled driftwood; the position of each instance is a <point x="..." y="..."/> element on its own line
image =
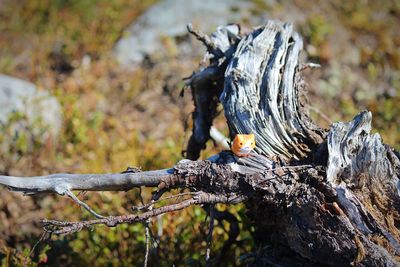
<point x="315" y="197"/>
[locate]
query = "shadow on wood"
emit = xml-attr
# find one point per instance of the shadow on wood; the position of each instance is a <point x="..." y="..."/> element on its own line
<point x="316" y="197"/>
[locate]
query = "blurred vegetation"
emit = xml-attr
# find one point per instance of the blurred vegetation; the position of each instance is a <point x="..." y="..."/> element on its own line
<point x="112" y="121"/>
<point x="357" y="44"/>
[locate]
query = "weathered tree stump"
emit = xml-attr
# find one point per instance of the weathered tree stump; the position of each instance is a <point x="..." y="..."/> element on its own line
<point x="316" y="197"/>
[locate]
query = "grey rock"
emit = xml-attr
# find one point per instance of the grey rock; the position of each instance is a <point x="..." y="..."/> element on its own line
<point x="40" y="113"/>
<point x="169" y="18"/>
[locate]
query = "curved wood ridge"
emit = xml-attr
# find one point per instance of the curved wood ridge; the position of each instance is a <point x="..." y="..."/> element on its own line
<point x="261" y="92"/>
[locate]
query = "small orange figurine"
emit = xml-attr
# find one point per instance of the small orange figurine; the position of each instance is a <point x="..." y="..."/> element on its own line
<point x="243" y="144"/>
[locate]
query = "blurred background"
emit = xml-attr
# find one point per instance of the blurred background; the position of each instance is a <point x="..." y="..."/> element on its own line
<point x="93" y="86"/>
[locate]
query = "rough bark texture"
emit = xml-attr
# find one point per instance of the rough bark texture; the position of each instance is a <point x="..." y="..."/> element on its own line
<point x="344" y="210"/>
<point x="315" y="197"/>
<point x="207" y="83"/>
<point x="261" y="93"/>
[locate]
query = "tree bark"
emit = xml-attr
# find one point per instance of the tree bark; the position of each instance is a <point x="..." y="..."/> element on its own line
<point x="345" y="209"/>
<point x="316" y="197"/>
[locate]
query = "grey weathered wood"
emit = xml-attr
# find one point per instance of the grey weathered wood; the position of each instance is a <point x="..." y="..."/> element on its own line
<point x="260" y="94"/>
<point x="206" y="84"/>
<point x="365" y="173"/>
<point x="62" y="182"/>
<point x="342" y="211"/>
<point x="332" y="216"/>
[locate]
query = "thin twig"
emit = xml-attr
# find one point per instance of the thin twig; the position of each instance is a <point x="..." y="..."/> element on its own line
<point x="205" y="39"/>
<point x="209" y="236"/>
<point x="60" y="227"/>
<point x="309" y="65"/>
<point x="83" y="204"/>
<point x="147" y="231"/>
<point x="42" y="237"/>
<point x="146" y="206"/>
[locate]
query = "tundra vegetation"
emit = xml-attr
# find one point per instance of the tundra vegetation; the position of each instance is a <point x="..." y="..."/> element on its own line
<point x="115" y="117"/>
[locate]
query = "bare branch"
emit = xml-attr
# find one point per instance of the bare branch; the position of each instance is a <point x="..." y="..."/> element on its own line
<point x="342" y="210"/>
<point x="63" y="183"/>
<point x="205" y="39"/>
<point x="59" y="227"/>
<point x="146" y="206"/>
<point x="83" y="204"/>
<point x="219" y="137"/>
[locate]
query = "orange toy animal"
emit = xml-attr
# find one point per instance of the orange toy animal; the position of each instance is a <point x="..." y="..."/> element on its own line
<point x="243" y="144"/>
